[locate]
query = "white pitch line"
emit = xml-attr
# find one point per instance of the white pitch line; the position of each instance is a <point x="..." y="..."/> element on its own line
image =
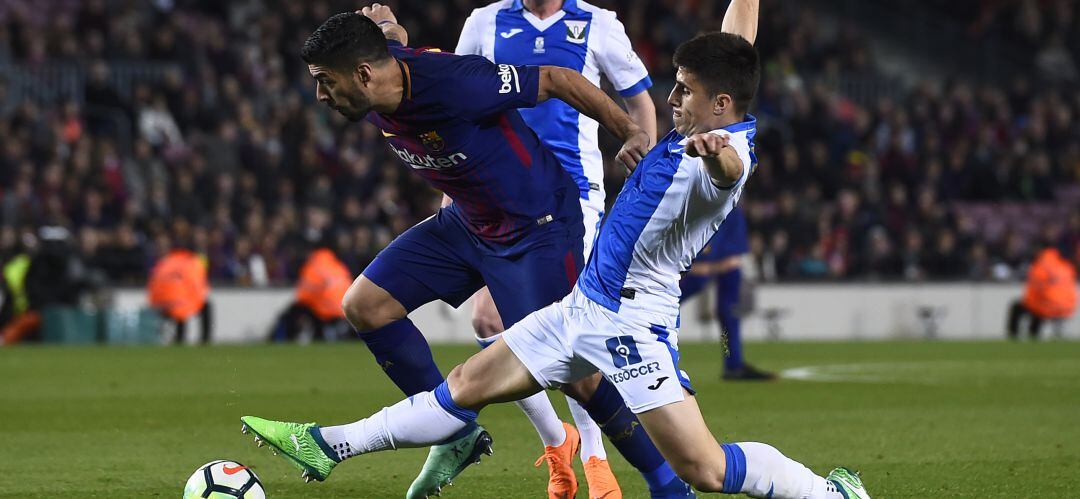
<point x="858" y="373"/>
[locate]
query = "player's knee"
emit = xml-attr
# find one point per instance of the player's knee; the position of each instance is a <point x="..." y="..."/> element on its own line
<point x="367" y="307"/>
<point x="463" y="388"/>
<point x="583" y="389"/>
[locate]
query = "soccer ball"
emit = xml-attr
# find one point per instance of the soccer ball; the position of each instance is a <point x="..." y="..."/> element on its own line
<point x="223" y="480"/>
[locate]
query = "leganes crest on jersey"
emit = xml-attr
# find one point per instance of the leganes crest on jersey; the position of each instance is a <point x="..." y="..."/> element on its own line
<point x="581" y="37"/>
<point x="667" y="211"/>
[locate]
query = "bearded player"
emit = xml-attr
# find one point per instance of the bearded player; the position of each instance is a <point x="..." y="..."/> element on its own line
<point x="515" y="222"/>
<point x="622" y="317"/>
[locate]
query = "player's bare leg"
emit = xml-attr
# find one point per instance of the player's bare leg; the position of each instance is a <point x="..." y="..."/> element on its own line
<point x="755" y="469"/>
<point x="623" y="430"/>
<point x="561" y="440"/>
<point x="491" y="376"/>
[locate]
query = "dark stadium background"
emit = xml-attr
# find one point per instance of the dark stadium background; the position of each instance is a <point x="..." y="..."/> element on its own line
<point x="941" y="148"/>
<point x="914" y="155"/>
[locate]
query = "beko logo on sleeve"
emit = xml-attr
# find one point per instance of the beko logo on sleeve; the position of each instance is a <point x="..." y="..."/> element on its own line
<point x="508" y="75"/>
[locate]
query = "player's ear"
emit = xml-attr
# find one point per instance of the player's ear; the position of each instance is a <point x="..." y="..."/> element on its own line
<point x="722" y="103"/>
<point x="363" y="74"/>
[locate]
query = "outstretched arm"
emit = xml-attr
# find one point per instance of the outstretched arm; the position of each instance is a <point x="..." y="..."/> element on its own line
<point x="570" y="87"/>
<point x="741" y="19"/>
<point x="384" y="17"/>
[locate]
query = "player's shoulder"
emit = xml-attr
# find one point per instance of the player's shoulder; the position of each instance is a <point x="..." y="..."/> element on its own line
<point x="744" y="130"/>
<point x="605" y="17"/>
<point x="423" y="58"/>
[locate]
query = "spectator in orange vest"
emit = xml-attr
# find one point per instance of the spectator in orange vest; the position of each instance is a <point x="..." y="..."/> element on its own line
<point x="178" y="287"/>
<point x="1050" y="293"/>
<point x="322" y="285"/>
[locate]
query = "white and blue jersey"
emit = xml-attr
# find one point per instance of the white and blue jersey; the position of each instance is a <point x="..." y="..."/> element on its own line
<point x="581" y="37"/>
<point x="622" y="317"/>
<point x="667" y="211"/>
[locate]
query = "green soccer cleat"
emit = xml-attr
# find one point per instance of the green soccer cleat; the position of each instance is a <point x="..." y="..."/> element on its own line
<point x="446" y="461"/>
<point x="301" y="444"/>
<point x="848" y="483"/>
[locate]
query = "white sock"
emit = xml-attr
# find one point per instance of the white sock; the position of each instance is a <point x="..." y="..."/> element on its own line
<point x="543" y="417"/>
<point x="418" y="421"/>
<point x="537" y="408"/>
<point x="768" y="473"/>
<point x="592" y="439"/>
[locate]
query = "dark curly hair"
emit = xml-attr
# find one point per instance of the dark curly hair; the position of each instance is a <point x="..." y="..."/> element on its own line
<point x="344" y="40"/>
<point x="725" y="63"/>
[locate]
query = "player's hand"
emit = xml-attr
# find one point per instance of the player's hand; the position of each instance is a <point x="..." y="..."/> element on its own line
<point x="378" y="12"/>
<point x="635" y="148"/>
<point x="706" y="145"/>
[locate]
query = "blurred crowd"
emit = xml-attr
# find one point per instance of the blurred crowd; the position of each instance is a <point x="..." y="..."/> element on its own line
<point x="223" y="149"/>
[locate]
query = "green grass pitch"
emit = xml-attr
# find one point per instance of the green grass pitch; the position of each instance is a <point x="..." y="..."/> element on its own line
<point x="918" y="419"/>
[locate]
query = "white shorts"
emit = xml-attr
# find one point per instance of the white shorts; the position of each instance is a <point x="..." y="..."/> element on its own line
<point x="571" y="339"/>
<point x="592" y="212"/>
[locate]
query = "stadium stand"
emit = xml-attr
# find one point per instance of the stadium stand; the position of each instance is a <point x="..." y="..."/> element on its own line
<point x="140" y="124"/>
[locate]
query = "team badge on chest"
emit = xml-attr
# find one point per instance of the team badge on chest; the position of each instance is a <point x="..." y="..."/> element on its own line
<point x="575" y="31"/>
<point x="432" y="141"/>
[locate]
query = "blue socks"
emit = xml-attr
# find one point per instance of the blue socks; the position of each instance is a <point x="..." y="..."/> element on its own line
<point x="623" y="430"/>
<point x="467" y="416"/>
<point x="735" y="473"/>
<point x="404" y="354"/>
<point x="727" y="296"/>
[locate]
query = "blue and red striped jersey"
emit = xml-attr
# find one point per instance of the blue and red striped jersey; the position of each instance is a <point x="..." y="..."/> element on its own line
<point x="457" y="126"/>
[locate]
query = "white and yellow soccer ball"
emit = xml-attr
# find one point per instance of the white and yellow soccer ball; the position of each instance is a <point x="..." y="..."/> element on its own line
<point x="224" y="480"/>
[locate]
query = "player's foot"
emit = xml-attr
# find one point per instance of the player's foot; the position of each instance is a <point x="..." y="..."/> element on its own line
<point x="675" y="489"/>
<point x="848" y="483"/>
<point x="747" y="373"/>
<point x="300" y="443"/>
<point x="446" y="461"/>
<point x="562" y="482"/>
<point x="602" y="482"/>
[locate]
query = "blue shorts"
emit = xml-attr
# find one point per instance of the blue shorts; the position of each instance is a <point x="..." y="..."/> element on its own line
<point x="439" y="259"/>
<point x="731" y="239"/>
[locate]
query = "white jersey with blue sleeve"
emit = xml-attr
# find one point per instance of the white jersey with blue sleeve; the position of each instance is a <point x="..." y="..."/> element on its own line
<point x="667" y="212"/>
<point x="581" y="37"/>
<point x="622" y="317"/>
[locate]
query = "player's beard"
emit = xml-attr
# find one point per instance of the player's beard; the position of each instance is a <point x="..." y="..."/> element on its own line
<point x="355" y="108"/>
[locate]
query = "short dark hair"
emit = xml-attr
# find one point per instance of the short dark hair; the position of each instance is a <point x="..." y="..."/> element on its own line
<point x="725" y="63"/>
<point x="344" y="40"/>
